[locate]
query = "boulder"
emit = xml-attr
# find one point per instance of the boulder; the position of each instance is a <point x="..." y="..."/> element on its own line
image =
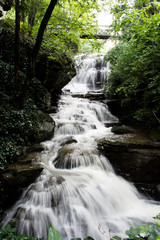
<point x="122" y="129"/>
<point x="136" y="160"/>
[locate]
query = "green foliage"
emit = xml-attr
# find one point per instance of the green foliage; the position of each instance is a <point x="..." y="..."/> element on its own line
<point x="135" y="75"/>
<point x="7" y="151"/>
<point x="8" y="233"/>
<point x="19" y="120"/>
<point x="69" y="20"/>
<point x="17" y="127"/>
<point x="91" y="46"/>
<point x="55" y="235"/>
<point x="150" y="231"/>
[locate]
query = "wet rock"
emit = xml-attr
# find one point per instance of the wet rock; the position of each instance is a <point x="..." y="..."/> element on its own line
<point x="137" y="161"/>
<point x="19" y="176"/>
<point x="46" y="125"/>
<point x="60" y="179"/>
<point x="122" y="129"/>
<point x="14" y="180"/>
<point x="51" y="109"/>
<point x="111" y="124"/>
<point x="54" y="73"/>
<point x="97" y="96"/>
<point x="70" y="141"/>
<point x="151" y="191"/>
<point x="35" y="148"/>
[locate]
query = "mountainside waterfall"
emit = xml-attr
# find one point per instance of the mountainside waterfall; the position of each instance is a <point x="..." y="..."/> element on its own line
<point x="78" y="191"/>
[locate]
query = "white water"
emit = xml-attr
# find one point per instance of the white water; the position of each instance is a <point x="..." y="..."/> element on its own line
<point x="91" y="74"/>
<point x="78" y="191"/>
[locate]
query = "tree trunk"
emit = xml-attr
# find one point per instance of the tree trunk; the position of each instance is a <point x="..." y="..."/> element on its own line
<point x="17" y="45"/>
<point x="40" y="34"/>
<point x="22" y="13"/>
<point x="32" y="15"/>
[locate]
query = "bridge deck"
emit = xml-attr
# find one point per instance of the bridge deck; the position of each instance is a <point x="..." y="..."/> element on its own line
<point x="97" y="36"/>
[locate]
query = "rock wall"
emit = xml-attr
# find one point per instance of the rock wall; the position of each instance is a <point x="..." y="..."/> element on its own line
<point x="54" y="74"/>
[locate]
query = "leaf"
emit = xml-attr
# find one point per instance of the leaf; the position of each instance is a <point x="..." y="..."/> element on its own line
<point x="76" y="239"/>
<point x="54" y="234"/>
<point x="89" y="238"/>
<point x="133" y="232"/>
<point x="152" y="237"/>
<point x="116" y="238"/>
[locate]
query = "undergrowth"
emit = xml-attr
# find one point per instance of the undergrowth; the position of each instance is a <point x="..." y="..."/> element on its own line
<point x="149" y="231"/>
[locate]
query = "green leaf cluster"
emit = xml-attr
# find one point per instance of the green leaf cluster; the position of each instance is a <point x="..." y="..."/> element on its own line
<point x="135" y="61"/>
<point x="150" y="231"/>
<point x="8" y="233"/>
<point x="19" y="120"/>
<point x="55" y="235"/>
<point x="70" y="19"/>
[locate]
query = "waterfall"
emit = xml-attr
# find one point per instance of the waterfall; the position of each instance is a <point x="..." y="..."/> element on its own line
<point x="78" y="191"/>
<point x="91" y="73"/>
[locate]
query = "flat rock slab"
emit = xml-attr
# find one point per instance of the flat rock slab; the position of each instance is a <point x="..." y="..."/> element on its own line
<point x="91" y="96"/>
<point x="136" y="158"/>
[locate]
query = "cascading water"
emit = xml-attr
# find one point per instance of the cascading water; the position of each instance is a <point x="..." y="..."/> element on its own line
<point x="78" y="191"/>
<point x="91" y="73"/>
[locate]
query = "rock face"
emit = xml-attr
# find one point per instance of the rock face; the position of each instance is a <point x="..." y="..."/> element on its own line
<point x="55" y="74"/>
<point x="17" y="177"/>
<point x="122" y="129"/>
<point x="46" y="125"/>
<point x="135" y="158"/>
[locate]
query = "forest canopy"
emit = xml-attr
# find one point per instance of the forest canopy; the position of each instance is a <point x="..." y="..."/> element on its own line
<point x="69" y="20"/>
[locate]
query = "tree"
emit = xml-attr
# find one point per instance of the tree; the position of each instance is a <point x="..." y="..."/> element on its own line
<point x="70" y="19"/>
<point x="41" y="33"/>
<point x="135" y="76"/>
<point x="17" y="44"/>
<point x="61" y="29"/>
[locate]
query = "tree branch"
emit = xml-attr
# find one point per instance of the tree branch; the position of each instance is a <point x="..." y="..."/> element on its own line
<point x="156" y="116"/>
<point x="42" y="28"/>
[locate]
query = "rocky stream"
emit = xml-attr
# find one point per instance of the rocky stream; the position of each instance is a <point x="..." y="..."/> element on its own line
<point x="88" y="173"/>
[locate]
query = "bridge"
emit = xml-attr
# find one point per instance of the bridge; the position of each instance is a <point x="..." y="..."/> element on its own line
<point x="102" y="33"/>
<point x="96" y="36"/>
